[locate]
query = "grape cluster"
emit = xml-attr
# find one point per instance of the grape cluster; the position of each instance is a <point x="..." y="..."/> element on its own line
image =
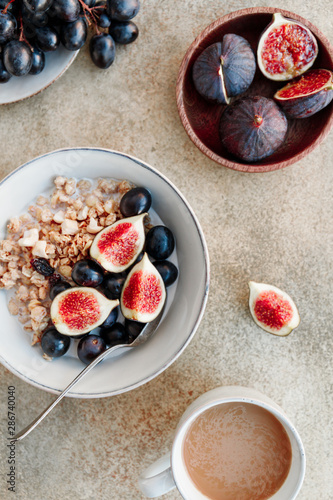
<point x="30" y="28"/>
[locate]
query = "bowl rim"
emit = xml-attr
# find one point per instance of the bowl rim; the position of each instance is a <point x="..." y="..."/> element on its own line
<point x="204" y="298"/>
<point x="38" y="91"/>
<point x="234" y="165"/>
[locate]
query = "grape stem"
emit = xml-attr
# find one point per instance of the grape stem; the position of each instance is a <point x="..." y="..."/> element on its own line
<point x="22" y="37"/>
<point x="85" y="6"/>
<point x="97" y="30"/>
<point x="6" y="7"/>
<point x="91" y="12"/>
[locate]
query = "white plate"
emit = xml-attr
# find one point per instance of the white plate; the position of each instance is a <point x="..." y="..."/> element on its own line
<point x="133" y="368"/>
<point x="56" y="64"/>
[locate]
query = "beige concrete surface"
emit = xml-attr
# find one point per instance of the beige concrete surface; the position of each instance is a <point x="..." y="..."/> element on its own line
<point x="274" y="228"/>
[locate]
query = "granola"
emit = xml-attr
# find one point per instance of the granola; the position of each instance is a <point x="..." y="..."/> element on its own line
<point x="61" y="229"/>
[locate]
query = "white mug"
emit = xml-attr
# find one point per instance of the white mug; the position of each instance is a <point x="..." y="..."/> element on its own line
<point x="169" y="471"/>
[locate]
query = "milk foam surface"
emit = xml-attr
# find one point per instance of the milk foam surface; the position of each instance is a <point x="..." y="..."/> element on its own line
<point x="237" y="451"/>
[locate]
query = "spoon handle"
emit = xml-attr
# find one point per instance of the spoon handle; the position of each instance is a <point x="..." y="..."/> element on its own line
<point x="146" y="332"/>
<point x="20" y="435"/>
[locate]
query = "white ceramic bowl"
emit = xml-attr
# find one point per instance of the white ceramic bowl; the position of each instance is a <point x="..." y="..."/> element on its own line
<point x="126" y="370"/>
<point x="19" y="88"/>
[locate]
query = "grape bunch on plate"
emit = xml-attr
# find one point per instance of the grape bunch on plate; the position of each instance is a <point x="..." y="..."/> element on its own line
<point x="30" y="28"/>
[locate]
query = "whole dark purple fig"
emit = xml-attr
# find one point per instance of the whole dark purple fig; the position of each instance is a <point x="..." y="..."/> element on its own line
<point x="252" y="128"/>
<point x="307" y="94"/>
<point x="224" y="69"/>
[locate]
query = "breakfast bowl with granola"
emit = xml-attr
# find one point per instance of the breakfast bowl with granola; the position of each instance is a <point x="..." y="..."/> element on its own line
<point x="75" y="238"/>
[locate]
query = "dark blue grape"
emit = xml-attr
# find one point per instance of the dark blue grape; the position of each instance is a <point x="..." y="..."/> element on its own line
<point x="90" y="3"/>
<point x="4" y="75"/>
<point x="167" y="270"/>
<point x="136" y="201"/>
<point x="38" y="62"/>
<point x="137" y="260"/>
<point x="124" y="32"/>
<point x="89" y="347"/>
<point x="17" y="58"/>
<point x="37" y="5"/>
<point x="123" y="10"/>
<point x="29" y="31"/>
<point x="59" y="287"/>
<point x="113" y="284"/>
<point x="87" y="273"/>
<point x="65" y="10"/>
<point x="74" y="35"/>
<point x="139" y="257"/>
<point x="115" y="335"/>
<point x="111" y="319"/>
<point x="13" y="7"/>
<point x="102" y="50"/>
<point x="47" y="39"/>
<point x="40" y="19"/>
<point x="54" y="344"/>
<point x="31" y="19"/>
<point x="101" y="12"/>
<point x="104" y="20"/>
<point x="160" y="242"/>
<point x="8" y="26"/>
<point x="133" y="328"/>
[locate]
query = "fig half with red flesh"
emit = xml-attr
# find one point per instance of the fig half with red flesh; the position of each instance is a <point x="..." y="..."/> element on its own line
<point x="272" y="309"/>
<point x="307" y="95"/>
<point x="117" y="246"/>
<point x="252" y="128"/>
<point x="143" y="294"/>
<point x="79" y="310"/>
<point x="286" y="49"/>
<point x="224" y="69"/>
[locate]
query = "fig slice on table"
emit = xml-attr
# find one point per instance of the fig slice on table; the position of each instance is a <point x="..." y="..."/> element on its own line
<point x="224" y="69"/>
<point x="272" y="309"/>
<point x="79" y="310"/>
<point x="252" y="128"/>
<point x="286" y="49"/>
<point x="117" y="246"/>
<point x="307" y="94"/>
<point x="143" y="294"/>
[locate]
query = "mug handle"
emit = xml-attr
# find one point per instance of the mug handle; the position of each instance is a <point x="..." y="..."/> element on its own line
<point x="157" y="479"/>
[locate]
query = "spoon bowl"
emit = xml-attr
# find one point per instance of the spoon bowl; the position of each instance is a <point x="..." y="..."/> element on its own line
<point x="147" y="331"/>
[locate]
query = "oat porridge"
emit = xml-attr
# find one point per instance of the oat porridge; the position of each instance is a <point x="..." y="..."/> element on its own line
<point x="59" y="228"/>
<point x="47" y="245"/>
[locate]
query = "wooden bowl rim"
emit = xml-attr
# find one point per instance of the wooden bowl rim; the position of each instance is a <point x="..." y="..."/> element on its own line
<point x="180" y="93"/>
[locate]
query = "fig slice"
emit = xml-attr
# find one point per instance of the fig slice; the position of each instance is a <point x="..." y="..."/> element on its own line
<point x="117" y="246"/>
<point x="272" y="309"/>
<point x="224" y="69"/>
<point x="307" y="94"/>
<point x="79" y="310"/>
<point x="286" y="49"/>
<point x="143" y="294"/>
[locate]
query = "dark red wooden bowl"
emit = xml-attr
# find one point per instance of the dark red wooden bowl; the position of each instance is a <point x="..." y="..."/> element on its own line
<point x="201" y="119"/>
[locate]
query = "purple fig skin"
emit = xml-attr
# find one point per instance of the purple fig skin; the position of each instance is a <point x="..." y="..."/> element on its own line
<point x="253" y="128"/>
<point x="206" y="74"/>
<point x="303" y="107"/>
<point x="224" y="69"/>
<point x="239" y="64"/>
